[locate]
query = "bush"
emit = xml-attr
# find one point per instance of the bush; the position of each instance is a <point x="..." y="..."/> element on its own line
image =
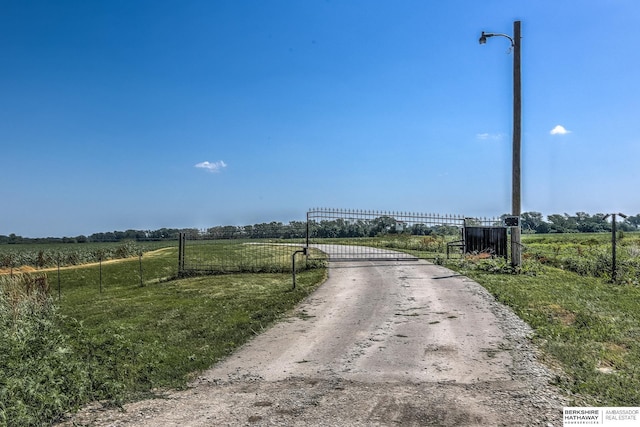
<point x="51" y="365"/>
<point x="39" y="379"/>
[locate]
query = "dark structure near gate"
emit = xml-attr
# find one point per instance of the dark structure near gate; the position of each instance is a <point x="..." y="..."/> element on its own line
<point x="492" y="240"/>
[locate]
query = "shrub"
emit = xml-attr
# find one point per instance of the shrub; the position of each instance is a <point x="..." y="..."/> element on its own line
<point x="39" y="380"/>
<point x="50" y="364"/>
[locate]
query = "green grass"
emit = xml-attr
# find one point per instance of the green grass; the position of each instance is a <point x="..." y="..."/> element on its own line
<point x="586" y="326"/>
<point x="226" y="256"/>
<point x="191" y="323"/>
<point x="88" y="280"/>
<point x="126" y="339"/>
<point x="588" y="254"/>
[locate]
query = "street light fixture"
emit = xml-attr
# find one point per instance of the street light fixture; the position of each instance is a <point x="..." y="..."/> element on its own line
<point x="485" y="36"/>
<point x="516" y="247"/>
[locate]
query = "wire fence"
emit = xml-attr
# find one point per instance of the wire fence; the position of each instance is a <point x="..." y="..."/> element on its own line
<point x="210" y="256"/>
<point x="260" y="248"/>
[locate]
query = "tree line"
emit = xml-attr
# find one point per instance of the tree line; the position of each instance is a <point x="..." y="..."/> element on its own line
<point x="531" y="222"/>
<point x="109" y="236"/>
<point x="581" y="222"/>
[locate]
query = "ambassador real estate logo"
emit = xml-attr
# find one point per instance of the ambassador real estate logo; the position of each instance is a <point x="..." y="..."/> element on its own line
<point x="601" y="416"/>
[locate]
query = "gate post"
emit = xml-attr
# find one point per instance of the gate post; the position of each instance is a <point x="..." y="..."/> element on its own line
<point x="293" y="264"/>
<point x="307" y="230"/>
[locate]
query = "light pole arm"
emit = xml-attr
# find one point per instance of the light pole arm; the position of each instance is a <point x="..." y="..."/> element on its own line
<point x="485" y="36"/>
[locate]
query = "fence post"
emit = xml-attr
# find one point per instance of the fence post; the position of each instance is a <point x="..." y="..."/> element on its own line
<point x="293" y="268"/>
<point x="58" y="276"/>
<point x="307" y="229"/>
<point x="140" y="260"/>
<point x="100" y="261"/>
<point x="181" y="242"/>
<point x="293" y="264"/>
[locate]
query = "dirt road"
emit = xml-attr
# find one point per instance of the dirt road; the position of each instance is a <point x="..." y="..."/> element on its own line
<point x="396" y="343"/>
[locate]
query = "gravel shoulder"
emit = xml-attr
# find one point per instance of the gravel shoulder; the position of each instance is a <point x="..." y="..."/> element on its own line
<point x="379" y="343"/>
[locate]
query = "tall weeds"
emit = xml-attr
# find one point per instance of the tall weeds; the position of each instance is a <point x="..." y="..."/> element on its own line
<point x="48" y="364"/>
<point x="36" y="374"/>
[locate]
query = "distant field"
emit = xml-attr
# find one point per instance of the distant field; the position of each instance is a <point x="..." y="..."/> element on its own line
<point x="37" y="255"/>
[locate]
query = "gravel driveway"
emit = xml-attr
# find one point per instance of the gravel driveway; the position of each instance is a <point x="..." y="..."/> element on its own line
<point x="380" y="343"/>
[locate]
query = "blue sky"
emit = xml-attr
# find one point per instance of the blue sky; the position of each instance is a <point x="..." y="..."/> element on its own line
<point x="148" y="114"/>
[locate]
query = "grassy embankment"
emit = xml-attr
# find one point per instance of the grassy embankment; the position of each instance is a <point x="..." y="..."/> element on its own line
<point x="128" y="340"/>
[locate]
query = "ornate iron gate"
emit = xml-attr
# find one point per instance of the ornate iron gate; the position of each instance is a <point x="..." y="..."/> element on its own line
<point x="375" y="235"/>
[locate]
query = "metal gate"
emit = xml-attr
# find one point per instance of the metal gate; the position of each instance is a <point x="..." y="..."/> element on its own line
<point x="379" y="235"/>
<point x="333" y="234"/>
<point x="489" y="240"/>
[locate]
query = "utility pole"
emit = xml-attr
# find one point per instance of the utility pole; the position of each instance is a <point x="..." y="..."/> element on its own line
<point x="516" y="203"/>
<point x="516" y="199"/>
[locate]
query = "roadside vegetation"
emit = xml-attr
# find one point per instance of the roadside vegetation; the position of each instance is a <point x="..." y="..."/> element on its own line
<point x="125" y="340"/>
<point x="588" y="254"/>
<point x="587" y="327"/>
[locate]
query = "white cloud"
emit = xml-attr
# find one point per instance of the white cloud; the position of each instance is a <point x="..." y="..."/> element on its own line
<point x="489" y="136"/>
<point x="559" y="130"/>
<point x="212" y="167"/>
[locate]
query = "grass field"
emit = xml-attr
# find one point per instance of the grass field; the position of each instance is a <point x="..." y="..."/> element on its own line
<point x="588" y="254"/>
<point x="126" y="339"/>
<point x="116" y="334"/>
<point x="242" y="255"/>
